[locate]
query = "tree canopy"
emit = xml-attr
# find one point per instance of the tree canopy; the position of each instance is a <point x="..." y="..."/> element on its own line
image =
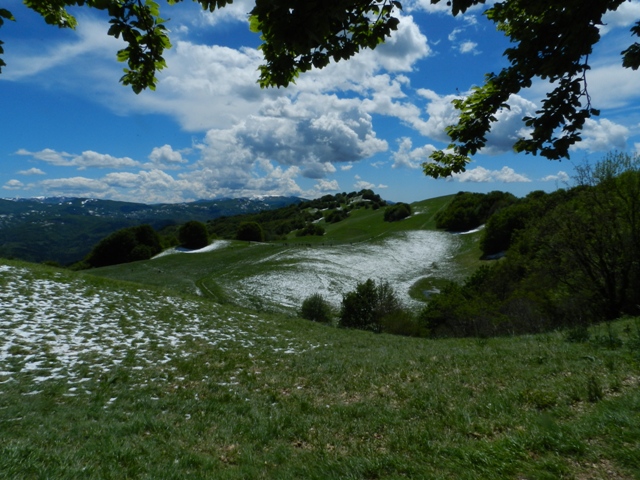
<point x="550" y="40"/>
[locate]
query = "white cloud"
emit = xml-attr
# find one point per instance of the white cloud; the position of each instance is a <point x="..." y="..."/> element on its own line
<point x="324" y="186"/>
<point x="561" y="177"/>
<point x="91" y="41"/>
<point x="406" y="46"/>
<point x="78" y="186"/>
<point x="441" y="114"/>
<point x="363" y="185"/>
<point x="31" y="171"/>
<point x="408" y="157"/>
<point x="87" y="159"/>
<point x="313" y="133"/>
<point x="13" y="185"/>
<point x="602" y="135"/>
<point x="468" y="47"/>
<point x="166" y="157"/>
<point x="505" y="131"/>
<point x="626" y="14"/>
<point x="346" y="168"/>
<point x="482" y="175"/>
<point x="238" y="11"/>
<point x="612" y="86"/>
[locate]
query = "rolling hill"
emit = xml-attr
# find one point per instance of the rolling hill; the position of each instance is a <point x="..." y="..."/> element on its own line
<point x="65" y="229"/>
<point x="277" y="276"/>
<point x="101" y="378"/>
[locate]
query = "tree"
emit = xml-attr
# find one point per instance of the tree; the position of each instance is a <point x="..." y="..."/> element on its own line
<point x="125" y="245"/>
<point x="397" y="212"/>
<point x="367" y="306"/>
<point x="250" y="232"/>
<point x="551" y="40"/>
<point x="316" y="308"/>
<point x="193" y="235"/>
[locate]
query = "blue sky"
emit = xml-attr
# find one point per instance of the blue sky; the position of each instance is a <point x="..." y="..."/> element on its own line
<point x="67" y="127"/>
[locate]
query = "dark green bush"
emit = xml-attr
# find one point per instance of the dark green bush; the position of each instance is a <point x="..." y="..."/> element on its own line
<point x="397" y="212"/>
<point x="311" y="229"/>
<point x="193" y="235"/>
<point x="470" y="210"/>
<point x="250" y="232"/>
<point x="336" y="216"/>
<point x="125" y="245"/>
<point x="317" y="309"/>
<point x="367" y="306"/>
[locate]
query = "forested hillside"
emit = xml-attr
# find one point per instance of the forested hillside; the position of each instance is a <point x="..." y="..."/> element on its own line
<point x="64" y="230"/>
<point x="570" y="259"/>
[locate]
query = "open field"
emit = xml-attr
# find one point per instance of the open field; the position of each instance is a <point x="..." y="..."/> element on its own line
<point x="106" y="379"/>
<point x="411" y="255"/>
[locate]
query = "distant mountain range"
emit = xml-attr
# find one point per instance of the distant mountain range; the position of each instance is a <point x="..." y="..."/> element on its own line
<point x="64" y="229"/>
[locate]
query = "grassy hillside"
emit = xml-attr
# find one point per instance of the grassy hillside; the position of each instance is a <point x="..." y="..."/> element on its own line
<point x="277" y="276"/>
<point x="106" y="379"/>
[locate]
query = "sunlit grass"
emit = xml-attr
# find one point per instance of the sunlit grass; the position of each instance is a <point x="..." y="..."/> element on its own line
<point x="159" y="385"/>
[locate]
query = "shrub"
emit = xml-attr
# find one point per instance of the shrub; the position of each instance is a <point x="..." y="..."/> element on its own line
<point x="193" y="235"/>
<point x="310" y="229"/>
<point x="402" y="322"/>
<point x="397" y="212"/>
<point x="250" y="232"/>
<point x="316" y="309"/>
<point x="125" y="245"/>
<point x="367" y="306"/>
<point x="336" y="216"/>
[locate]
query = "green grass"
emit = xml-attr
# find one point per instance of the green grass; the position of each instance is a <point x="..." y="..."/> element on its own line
<point x="220" y="273"/>
<point x="226" y="401"/>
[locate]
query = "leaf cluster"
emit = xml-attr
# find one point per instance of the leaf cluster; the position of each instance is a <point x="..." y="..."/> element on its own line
<point x="551" y="41"/>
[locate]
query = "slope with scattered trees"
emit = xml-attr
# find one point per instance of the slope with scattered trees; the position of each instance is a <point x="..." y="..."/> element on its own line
<point x="571" y="260"/>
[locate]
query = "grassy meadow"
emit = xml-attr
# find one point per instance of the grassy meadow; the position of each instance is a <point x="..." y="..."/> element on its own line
<point x="107" y="379"/>
<point x="126" y="372"/>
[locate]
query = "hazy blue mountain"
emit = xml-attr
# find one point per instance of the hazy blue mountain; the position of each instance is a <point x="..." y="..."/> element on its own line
<point x="64" y="229"/>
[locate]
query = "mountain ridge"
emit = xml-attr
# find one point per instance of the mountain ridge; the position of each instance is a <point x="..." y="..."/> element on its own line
<point x="64" y="229"/>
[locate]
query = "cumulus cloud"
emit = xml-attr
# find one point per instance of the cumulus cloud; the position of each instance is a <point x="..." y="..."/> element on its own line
<point x="153" y="186"/>
<point x="406" y="46"/>
<point x="482" y="175"/>
<point x="505" y="131"/>
<point x="13" y="185"/>
<point x="324" y="186"/>
<point x="561" y="177"/>
<point x="87" y="159"/>
<point x="307" y="134"/>
<point x="31" y="171"/>
<point x="77" y="186"/>
<point x="602" y="135"/>
<point x="408" y="157"/>
<point x="166" y="157"/>
<point x="468" y="47"/>
<point x="625" y="15"/>
<point x="238" y="11"/>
